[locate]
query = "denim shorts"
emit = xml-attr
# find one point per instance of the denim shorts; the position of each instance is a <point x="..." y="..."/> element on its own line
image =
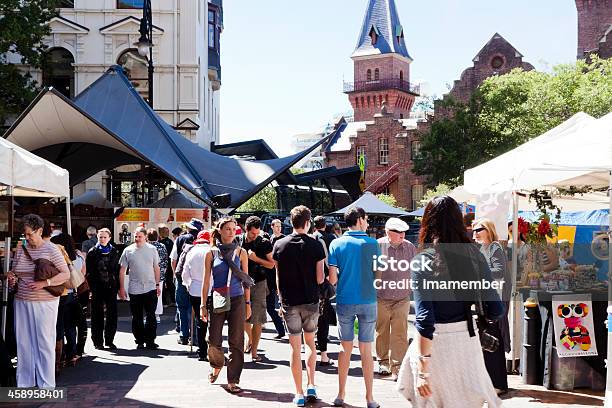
<point x="301" y="317"/>
<point x="366" y="318"/>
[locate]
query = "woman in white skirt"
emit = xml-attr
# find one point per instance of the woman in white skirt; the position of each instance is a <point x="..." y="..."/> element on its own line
<point x="36" y="308"/>
<point x="444" y="366"/>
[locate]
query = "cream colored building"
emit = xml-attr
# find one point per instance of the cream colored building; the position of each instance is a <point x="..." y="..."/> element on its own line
<point x="92" y="35"/>
<point x="89" y="36"/>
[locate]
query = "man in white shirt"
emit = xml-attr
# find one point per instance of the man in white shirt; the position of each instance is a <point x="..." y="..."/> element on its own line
<point x="142" y="260"/>
<point x="193" y="271"/>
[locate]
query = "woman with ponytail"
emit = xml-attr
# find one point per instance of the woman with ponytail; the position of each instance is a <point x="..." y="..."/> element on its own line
<point x="224" y="265"/>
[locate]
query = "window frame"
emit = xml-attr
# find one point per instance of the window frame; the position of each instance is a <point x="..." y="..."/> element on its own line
<point x="358" y="150"/>
<point x="421" y="190"/>
<point x="415" y="147"/>
<point x="126" y="7"/>
<point x="212" y="24"/>
<point x="383" y="151"/>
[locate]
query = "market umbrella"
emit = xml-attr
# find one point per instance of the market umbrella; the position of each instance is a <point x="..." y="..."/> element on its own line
<point x="93" y="198"/>
<point x="373" y="206"/>
<point x="176" y="199"/>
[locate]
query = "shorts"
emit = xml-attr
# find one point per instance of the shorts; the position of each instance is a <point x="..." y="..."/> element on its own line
<point x="366" y="318"/>
<point x="258" y="303"/>
<point x="301" y="317"/>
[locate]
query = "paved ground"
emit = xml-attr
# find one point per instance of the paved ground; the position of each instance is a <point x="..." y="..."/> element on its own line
<point x="172" y="377"/>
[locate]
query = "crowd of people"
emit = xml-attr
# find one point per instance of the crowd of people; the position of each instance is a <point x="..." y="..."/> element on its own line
<point x="307" y="281"/>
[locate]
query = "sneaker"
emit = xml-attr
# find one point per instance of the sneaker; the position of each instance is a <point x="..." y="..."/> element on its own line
<point x="311" y="393"/>
<point x="182" y="340"/>
<point x="111" y="346"/>
<point x="373" y="404"/>
<point x="140" y="346"/>
<point x="299" y="400"/>
<point x="99" y="347"/>
<point x="152" y="346"/>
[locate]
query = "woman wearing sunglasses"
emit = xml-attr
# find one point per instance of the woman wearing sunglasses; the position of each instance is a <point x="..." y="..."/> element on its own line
<point x="484" y="233"/>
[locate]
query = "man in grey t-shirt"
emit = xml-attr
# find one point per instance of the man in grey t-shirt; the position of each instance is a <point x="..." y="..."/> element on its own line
<point x="142" y="260"/>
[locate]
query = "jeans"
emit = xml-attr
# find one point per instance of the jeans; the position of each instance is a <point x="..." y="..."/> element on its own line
<point x="271" y="306"/>
<point x="70" y="324"/>
<point x="183" y="307"/>
<point x="200" y="326"/>
<point x="366" y="318"/>
<point x="146" y="302"/>
<point x="103" y="323"/>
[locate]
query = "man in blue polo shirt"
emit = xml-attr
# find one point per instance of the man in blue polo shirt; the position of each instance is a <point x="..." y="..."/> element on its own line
<point x="351" y="260"/>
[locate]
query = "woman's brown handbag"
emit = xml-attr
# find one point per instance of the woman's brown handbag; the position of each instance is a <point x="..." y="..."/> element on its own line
<point x="43" y="270"/>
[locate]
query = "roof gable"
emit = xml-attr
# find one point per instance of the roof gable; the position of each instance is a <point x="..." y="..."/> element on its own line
<point x="187" y="124"/>
<point x="381" y="18"/>
<point x="127" y="25"/>
<point x="496" y="37"/>
<point x="61" y="25"/>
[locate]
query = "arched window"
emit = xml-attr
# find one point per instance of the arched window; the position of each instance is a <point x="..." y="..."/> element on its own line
<point x="136" y="69"/>
<point x="59" y="72"/>
<point x="376" y="74"/>
<point x="368" y="101"/>
<point x="362" y="102"/>
<point x="401" y="76"/>
<point x="369" y="75"/>
<point x="356" y="102"/>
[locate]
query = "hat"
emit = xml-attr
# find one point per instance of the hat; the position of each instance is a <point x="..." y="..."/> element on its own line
<point x="396" y="224"/>
<point x="195" y="224"/>
<point x="203" y="237"/>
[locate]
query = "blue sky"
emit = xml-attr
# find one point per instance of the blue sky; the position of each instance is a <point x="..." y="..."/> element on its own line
<point x="283" y="61"/>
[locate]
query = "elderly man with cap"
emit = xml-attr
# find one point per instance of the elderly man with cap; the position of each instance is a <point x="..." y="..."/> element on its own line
<point x="182" y="296"/>
<point x="393" y="297"/>
<point x="192" y="275"/>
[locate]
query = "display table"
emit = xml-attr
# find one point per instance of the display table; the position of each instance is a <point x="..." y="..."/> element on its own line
<point x="570" y="372"/>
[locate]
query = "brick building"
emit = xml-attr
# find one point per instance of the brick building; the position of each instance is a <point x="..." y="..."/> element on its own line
<point x="594" y="27"/>
<point x="382" y="98"/>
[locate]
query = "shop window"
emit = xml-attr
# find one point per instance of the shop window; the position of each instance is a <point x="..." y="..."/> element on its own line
<point x="383" y="150"/>
<point x="130" y="4"/>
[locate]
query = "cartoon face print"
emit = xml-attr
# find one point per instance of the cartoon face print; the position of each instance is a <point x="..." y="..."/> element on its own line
<point x="574" y="334"/>
<point x="572" y="310"/>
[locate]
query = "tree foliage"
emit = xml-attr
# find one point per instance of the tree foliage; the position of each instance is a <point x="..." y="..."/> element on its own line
<point x="23" y="25"/>
<point x="388" y="199"/>
<point x="440" y="190"/>
<point x="506" y="111"/>
<point x="264" y="200"/>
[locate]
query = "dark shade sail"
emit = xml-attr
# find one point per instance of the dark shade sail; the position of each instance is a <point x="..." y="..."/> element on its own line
<point x="109" y="124"/>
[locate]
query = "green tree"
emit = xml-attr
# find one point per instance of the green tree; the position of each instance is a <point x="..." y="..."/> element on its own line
<point x="439" y="190"/>
<point x="506" y="111"/>
<point x="388" y="199"/>
<point x="23" y="25"/>
<point x="264" y="200"/>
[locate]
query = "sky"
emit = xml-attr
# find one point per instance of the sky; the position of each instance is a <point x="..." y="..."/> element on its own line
<point x="283" y="61"/>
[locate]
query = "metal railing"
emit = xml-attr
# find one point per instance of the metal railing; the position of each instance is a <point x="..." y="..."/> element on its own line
<point x="381" y="84"/>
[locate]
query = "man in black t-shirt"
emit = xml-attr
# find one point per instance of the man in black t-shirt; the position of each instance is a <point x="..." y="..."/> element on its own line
<point x="259" y="250"/>
<point x="299" y="261"/>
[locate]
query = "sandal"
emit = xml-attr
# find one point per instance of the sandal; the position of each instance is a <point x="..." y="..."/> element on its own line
<point x="248" y="349"/>
<point x="212" y="377"/>
<point x="256" y="359"/>
<point x="234" y="389"/>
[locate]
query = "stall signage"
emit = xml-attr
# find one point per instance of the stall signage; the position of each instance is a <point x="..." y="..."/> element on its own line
<point x="573" y="322"/>
<point x="134" y="214"/>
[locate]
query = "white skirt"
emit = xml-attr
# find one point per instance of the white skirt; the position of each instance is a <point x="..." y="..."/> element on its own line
<point x="458" y="378"/>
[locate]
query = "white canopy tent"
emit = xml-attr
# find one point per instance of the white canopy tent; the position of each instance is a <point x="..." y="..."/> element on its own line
<point x="26" y="175"/>
<point x="576" y="153"/>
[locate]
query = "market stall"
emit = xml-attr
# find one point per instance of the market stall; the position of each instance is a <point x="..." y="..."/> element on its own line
<point x="557" y="160"/>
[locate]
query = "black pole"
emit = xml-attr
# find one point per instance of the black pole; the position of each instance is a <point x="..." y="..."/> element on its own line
<point x="146" y="32"/>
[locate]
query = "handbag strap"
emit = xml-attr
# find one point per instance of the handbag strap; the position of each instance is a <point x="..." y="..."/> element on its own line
<point x="25" y="251"/>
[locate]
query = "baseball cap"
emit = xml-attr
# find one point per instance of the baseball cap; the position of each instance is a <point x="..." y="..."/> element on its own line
<point x="395" y="224"/>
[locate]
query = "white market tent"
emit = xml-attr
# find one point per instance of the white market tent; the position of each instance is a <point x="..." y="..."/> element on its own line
<point x="24" y="174"/>
<point x="576" y="153"/>
<point x="373" y="206"/>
